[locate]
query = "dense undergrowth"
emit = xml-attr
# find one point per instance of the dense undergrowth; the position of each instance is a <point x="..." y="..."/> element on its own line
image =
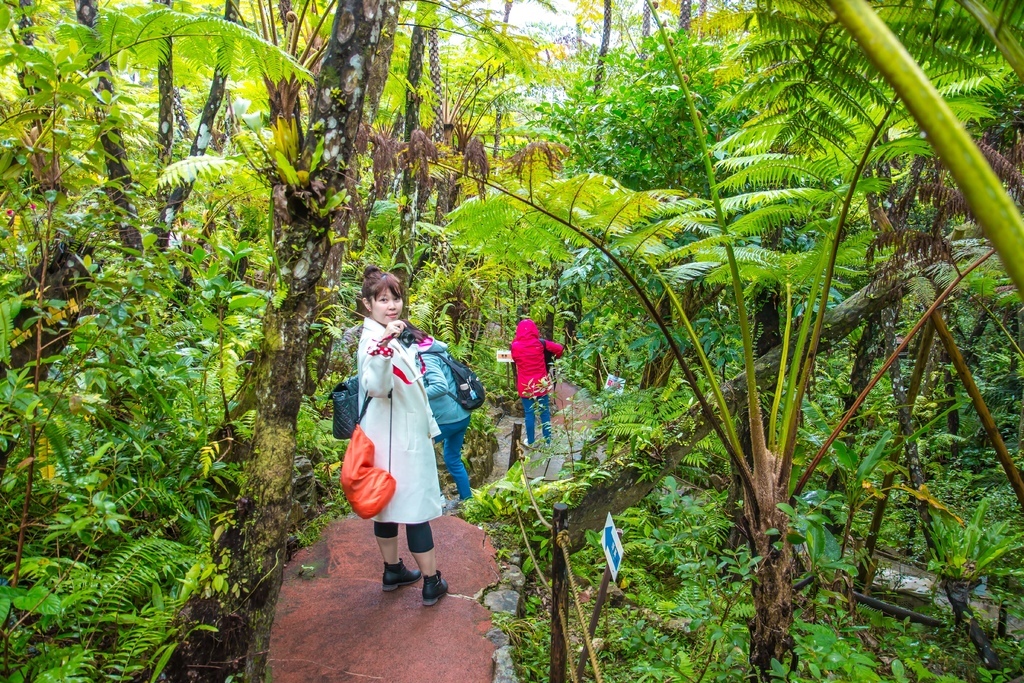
<point x="616" y="211"/>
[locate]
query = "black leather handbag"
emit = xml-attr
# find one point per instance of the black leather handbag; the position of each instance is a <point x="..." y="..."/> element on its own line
<point x="347" y="414"/>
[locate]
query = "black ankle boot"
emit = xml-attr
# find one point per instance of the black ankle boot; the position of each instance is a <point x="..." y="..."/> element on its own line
<point x="396" y="575"/>
<point x="434" y="588"/>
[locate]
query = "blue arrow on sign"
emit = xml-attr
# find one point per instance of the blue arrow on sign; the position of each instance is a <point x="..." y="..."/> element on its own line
<point x="612" y="547"/>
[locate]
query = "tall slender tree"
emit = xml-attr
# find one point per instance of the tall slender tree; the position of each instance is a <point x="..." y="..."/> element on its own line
<point x="200" y="143"/>
<point x="606" y="37"/>
<point x="685" y="12"/>
<point x="251" y="550"/>
<point x="410" y="195"/>
<point x="165" y="90"/>
<point x="434" y="56"/>
<point x="119" y="178"/>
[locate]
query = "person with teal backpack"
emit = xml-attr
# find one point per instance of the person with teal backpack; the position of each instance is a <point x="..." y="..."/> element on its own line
<point x="442" y="391"/>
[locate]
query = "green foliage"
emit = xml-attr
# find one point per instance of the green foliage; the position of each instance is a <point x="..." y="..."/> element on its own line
<point x="966" y="552"/>
<point x="641" y="102"/>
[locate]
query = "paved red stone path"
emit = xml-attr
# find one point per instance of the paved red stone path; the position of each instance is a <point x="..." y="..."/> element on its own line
<point x="337" y="625"/>
<point x="581" y="410"/>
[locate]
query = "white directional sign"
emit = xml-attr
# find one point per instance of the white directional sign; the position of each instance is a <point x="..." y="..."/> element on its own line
<point x="612" y="547"/>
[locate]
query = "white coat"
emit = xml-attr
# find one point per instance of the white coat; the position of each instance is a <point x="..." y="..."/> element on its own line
<point x="405" y="421"/>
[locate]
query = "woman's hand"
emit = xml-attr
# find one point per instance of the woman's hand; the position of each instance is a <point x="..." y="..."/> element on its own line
<point x="394" y="328"/>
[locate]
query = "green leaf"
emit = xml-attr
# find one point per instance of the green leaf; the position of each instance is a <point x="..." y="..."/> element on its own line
<point x="846" y="457"/>
<point x="165" y="657"/>
<point x="40" y="600"/>
<point x="286" y="169"/>
<point x="787" y="508"/>
<point x="211" y="323"/>
<point x="5" y="607"/>
<point x="246" y="301"/>
<point x="191" y="169"/>
<point x="9" y="310"/>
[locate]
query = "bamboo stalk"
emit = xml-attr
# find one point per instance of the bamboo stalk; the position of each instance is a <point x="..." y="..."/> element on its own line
<point x="991" y="205"/>
<point x="964" y="372"/>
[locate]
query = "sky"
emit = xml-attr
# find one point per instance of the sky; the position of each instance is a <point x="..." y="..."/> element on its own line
<point x="526" y="12"/>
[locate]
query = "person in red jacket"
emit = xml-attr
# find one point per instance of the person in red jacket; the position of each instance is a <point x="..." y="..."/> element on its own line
<point x="532" y="379"/>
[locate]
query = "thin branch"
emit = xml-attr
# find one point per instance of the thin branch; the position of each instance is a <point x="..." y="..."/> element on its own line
<point x="881" y="371"/>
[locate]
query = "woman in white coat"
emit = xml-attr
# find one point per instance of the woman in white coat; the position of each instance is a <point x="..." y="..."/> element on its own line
<point x="401" y="426"/>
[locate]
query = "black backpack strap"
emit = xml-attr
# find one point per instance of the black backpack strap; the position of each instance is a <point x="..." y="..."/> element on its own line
<point x="446" y="359"/>
<point x="362" y="411"/>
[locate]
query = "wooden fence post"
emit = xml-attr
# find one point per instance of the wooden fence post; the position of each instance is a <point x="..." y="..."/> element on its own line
<point x="559" y="596"/>
<point x="517" y="435"/>
<point x="602" y="594"/>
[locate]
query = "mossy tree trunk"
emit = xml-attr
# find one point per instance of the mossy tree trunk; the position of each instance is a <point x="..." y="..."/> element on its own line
<point x="251" y="551"/>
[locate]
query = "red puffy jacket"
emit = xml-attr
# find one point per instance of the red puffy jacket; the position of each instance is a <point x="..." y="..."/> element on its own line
<point x="528" y="354"/>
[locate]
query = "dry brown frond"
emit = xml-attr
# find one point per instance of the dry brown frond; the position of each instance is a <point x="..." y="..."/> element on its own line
<point x="44" y="164"/>
<point x="417" y="156"/>
<point x="476" y="165"/>
<point x="1005" y="169"/>
<point x="385" y="159"/>
<point x="910" y="249"/>
<point x="948" y="200"/>
<point x="283" y="97"/>
<point x="1016" y="153"/>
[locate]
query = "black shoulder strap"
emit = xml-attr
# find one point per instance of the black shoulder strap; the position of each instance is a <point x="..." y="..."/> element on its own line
<point x="447" y="360"/>
<point x="366" y="402"/>
<point x="362" y="411"/>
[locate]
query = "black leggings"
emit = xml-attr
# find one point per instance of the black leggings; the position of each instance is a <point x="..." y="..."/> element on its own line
<point x="421" y="539"/>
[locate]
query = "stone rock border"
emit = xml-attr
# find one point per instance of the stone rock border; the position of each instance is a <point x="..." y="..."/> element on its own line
<point x="505" y="598"/>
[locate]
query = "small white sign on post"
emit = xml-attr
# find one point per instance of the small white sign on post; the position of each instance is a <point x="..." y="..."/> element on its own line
<point x="612" y="547"/>
<point x="615" y="384"/>
<point x="504" y="356"/>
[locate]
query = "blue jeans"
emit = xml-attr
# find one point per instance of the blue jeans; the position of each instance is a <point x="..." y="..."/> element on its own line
<point x="529" y="406"/>
<point x="453" y="434"/>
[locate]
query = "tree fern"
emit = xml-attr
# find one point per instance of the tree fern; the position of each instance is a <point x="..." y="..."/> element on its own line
<point x="192" y="168"/>
<point x="198" y="39"/>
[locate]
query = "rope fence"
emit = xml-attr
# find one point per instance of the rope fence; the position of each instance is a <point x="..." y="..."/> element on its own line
<point x="561" y="588"/>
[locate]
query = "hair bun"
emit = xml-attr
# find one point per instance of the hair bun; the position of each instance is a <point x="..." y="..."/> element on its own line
<point x="370" y="270"/>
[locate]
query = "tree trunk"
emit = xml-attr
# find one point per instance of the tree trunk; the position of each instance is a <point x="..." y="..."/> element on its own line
<point x="410" y="195"/>
<point x="253" y="547"/>
<point x="606" y="37"/>
<point x="180" y="117"/>
<point x="382" y="60"/>
<point x="508" y="10"/>
<point x="685" y="12"/>
<point x="204" y="134"/>
<point x="959" y="595"/>
<point x="165" y="88"/>
<point x="1020" y="425"/>
<point x="866" y="571"/>
<point x="772" y="588"/>
<point x="574" y="295"/>
<point x="434" y="54"/>
<point x="984" y="415"/>
<point x="499" y="115"/>
<point x="768" y="334"/>
<point x="899" y="393"/>
<point x="953" y="418"/>
<point x="118" y="176"/>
